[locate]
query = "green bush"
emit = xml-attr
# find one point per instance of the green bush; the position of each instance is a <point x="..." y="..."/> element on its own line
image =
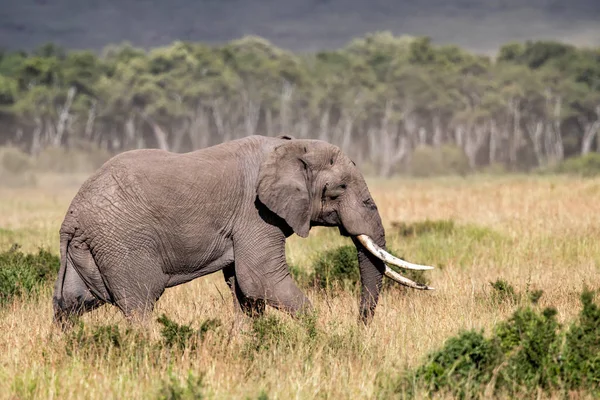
<point x="109" y="342"/>
<point x="184" y="336"/>
<point x="338" y="269"/>
<point x="173" y="389"/>
<point x="528" y="354"/>
<point x="14" y="161"/>
<point x="586" y="166"/>
<point x="503" y="292"/>
<point x="428" y="161"/>
<point x="462" y="366"/>
<point x="16" y="168"/>
<point x="21" y="274"/>
<point x="581" y="353"/>
<point x="269" y="332"/>
<point x="443" y="227"/>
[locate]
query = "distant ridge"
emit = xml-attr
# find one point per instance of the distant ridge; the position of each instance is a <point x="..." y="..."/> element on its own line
<point x="301" y="25"/>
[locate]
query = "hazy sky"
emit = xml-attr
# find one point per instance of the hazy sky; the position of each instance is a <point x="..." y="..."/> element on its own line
<point x="480" y="26"/>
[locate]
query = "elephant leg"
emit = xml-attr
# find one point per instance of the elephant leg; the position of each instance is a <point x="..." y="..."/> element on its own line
<point x="261" y="272"/>
<point x="135" y="282"/>
<point x="72" y="297"/>
<point x="241" y="303"/>
<point x="286" y="295"/>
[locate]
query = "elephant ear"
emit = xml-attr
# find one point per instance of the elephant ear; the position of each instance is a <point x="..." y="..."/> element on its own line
<point x="283" y="186"/>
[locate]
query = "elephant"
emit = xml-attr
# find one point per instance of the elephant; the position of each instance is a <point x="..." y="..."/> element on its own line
<point x="149" y="219"/>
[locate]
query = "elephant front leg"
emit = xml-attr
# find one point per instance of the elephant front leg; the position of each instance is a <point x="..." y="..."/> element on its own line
<point x="241" y="303"/>
<point x="261" y="273"/>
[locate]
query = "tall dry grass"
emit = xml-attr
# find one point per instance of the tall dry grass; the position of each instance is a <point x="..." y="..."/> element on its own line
<point x="534" y="232"/>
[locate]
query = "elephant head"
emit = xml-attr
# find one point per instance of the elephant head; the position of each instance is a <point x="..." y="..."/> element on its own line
<point x="313" y="183"/>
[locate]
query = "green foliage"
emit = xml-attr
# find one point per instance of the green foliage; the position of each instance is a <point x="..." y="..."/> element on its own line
<point x="184" y="336"/>
<point x="14" y="161"/>
<point x="175" y="334"/>
<point x="504" y="292"/>
<point x="586" y="166"/>
<point x="462" y="366"/>
<point x="408" y="83"/>
<point x="418" y="228"/>
<point x="581" y="354"/>
<point x="22" y="274"/>
<point x="529" y="341"/>
<point x="338" y="269"/>
<point x="270" y="333"/>
<point x="16" y="168"/>
<point x="191" y="389"/>
<point x="427" y="161"/>
<point x="528" y="354"/>
<point x="105" y="342"/>
<point x="267" y="331"/>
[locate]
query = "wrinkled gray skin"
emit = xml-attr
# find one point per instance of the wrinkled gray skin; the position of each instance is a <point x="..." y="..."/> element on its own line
<point x="149" y="219"/>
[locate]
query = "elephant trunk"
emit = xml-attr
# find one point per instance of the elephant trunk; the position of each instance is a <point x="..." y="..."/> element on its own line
<point x="371" y="277"/>
<point x="367" y="233"/>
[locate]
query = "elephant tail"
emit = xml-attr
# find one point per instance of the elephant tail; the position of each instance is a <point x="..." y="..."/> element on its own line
<point x="65" y="239"/>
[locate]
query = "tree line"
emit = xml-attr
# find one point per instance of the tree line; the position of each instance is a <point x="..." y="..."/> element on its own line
<point x="379" y="98"/>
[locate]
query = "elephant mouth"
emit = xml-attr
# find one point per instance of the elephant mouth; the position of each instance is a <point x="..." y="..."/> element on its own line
<point x="386" y="257"/>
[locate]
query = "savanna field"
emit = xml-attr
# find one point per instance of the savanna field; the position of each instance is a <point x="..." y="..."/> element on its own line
<point x="513" y="255"/>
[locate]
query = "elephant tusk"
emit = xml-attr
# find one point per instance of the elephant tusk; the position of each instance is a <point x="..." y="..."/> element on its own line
<point x="387" y="257"/>
<point x="393" y="275"/>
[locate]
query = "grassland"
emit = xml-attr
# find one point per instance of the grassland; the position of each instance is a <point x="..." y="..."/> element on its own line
<point x="533" y="232"/>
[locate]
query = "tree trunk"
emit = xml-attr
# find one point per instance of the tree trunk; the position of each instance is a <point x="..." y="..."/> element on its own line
<point x="286" y="96"/>
<point x="89" y="125"/>
<point x="493" y="141"/>
<point x="251" y="113"/>
<point x="535" y="129"/>
<point x="159" y="134"/>
<point x="590" y="130"/>
<point x="324" y="125"/>
<point x="269" y="121"/>
<point x="517" y="137"/>
<point x="36" y="137"/>
<point x="199" y="131"/>
<point x="62" y="118"/>
<point x="437" y="129"/>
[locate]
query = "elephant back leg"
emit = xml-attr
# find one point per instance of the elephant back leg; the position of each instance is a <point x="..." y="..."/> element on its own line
<point x="79" y="288"/>
<point x="135" y="280"/>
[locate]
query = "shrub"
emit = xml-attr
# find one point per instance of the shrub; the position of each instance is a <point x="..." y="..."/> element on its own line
<point x="527" y="354"/>
<point x="427" y="161"/>
<point x="14" y="161"/>
<point x="21" y="274"/>
<point x="338" y="269"/>
<point x="184" y="336"/>
<point x="173" y="389"/>
<point x="267" y="331"/>
<point x="443" y="227"/>
<point x="504" y="292"/>
<point x="109" y="341"/>
<point x="530" y="343"/>
<point x="465" y="363"/>
<point x="581" y="354"/>
<point x="587" y="165"/>
<point x="16" y="168"/>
